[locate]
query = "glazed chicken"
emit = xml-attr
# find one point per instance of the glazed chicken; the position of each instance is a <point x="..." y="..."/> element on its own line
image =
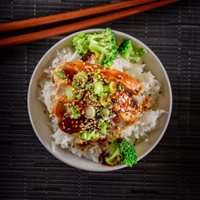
<point x="90" y="97"/>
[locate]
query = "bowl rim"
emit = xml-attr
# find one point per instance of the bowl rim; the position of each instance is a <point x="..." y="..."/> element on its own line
<point x="122" y="34"/>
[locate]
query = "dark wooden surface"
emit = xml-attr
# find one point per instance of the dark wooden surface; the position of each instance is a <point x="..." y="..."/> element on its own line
<point x="170" y="171"/>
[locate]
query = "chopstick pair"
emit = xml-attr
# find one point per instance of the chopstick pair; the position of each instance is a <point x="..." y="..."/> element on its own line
<point x="30" y="37"/>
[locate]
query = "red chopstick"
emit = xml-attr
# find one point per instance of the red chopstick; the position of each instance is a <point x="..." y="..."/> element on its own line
<point x="80" y="25"/>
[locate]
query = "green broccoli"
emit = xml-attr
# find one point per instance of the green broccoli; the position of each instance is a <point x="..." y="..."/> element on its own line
<point x="113" y="153"/>
<point x="104" y="45"/>
<point x="121" y="151"/>
<point x="74" y="112"/>
<point x="81" y="43"/>
<point x="130" y="52"/>
<point x="127" y="153"/>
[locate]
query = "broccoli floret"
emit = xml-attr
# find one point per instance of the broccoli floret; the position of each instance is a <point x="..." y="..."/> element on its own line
<point x="130" y="52"/>
<point x="127" y="153"/>
<point x="81" y="43"/>
<point x="113" y="153"/>
<point x="103" y="44"/>
<point x="121" y="151"/>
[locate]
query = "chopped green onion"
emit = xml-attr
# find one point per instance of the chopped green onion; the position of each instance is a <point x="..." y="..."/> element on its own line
<point x="90" y="112"/>
<point x="79" y="96"/>
<point x="95" y="135"/>
<point x="89" y="135"/>
<point x="105" y="101"/>
<point x="98" y="77"/>
<point x="60" y="74"/>
<point x="80" y="77"/>
<point x="85" y="135"/>
<point x="98" y="71"/>
<point x="94" y="97"/>
<point x="98" y="88"/>
<point x="97" y="74"/>
<point x="69" y="93"/>
<point x="105" y="112"/>
<point x="87" y="86"/>
<point x="103" y="127"/>
<point x="113" y="87"/>
<point x="75" y="85"/>
<point x="74" y="112"/>
<point x="106" y="89"/>
<point x="119" y="87"/>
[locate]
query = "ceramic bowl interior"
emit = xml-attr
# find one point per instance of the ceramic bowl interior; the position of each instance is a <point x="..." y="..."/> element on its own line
<point x="39" y="118"/>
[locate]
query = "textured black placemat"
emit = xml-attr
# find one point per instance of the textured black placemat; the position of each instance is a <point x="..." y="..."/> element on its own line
<point x="170" y="171"/>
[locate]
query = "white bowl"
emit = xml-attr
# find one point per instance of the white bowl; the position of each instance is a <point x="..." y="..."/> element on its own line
<point x="39" y="119"/>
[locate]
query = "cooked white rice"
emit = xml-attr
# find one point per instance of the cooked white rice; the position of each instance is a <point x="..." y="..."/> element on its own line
<point x="146" y="124"/>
